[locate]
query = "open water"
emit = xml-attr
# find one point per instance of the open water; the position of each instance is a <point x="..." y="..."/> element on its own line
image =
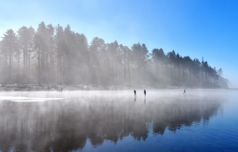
<point x="91" y="121"/>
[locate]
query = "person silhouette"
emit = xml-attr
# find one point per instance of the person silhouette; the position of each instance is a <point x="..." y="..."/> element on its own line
<point x="144" y="92"/>
<point x="184" y="92"/>
<point x="134" y="95"/>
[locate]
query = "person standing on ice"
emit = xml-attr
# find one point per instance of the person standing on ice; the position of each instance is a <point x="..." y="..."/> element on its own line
<point x="144" y="92"/>
<point x="134" y="95"/>
<point x="184" y="92"/>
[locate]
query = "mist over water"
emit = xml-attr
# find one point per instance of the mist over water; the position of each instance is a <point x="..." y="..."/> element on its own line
<point x="164" y="120"/>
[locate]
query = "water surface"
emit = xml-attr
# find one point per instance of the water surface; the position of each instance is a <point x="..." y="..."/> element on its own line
<point x="164" y="120"/>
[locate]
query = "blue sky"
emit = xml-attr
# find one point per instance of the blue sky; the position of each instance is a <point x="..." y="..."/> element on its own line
<point x="198" y="28"/>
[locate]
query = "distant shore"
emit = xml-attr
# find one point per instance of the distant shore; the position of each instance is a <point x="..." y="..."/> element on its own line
<point x="33" y="87"/>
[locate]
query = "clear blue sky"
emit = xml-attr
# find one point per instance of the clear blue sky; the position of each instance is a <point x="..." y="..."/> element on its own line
<point x="198" y="28"/>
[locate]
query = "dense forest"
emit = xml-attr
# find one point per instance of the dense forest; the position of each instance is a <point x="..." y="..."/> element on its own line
<point x="57" y="55"/>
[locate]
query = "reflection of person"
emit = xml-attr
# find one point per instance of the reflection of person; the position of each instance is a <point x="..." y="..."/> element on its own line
<point x="144" y="92"/>
<point x="184" y="92"/>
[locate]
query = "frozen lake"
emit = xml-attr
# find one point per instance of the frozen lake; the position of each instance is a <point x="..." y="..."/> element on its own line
<point x="164" y="120"/>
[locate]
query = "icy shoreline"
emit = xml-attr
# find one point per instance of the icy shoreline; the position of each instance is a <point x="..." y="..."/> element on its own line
<point x="33" y="87"/>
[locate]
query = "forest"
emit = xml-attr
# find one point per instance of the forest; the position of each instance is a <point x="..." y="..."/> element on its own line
<point x="56" y="55"/>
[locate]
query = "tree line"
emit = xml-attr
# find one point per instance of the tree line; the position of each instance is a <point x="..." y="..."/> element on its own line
<point x="57" y="55"/>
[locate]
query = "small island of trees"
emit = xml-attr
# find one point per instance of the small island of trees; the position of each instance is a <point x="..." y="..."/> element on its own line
<point x="57" y="55"/>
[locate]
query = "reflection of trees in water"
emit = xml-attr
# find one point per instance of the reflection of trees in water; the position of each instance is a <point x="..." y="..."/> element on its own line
<point x="66" y="126"/>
